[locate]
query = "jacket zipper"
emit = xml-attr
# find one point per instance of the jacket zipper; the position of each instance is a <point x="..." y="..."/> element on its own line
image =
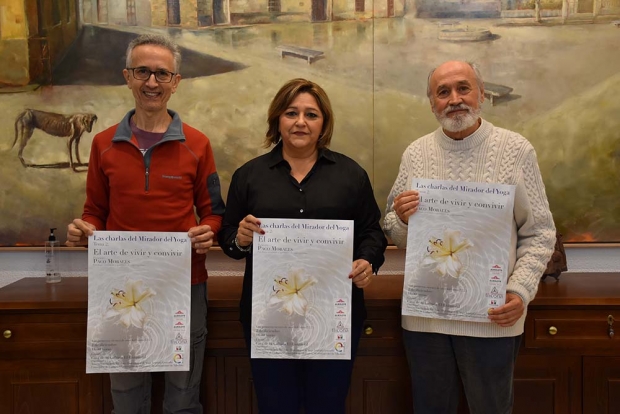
<point x="147" y="163"/>
<point x="147" y="167"/>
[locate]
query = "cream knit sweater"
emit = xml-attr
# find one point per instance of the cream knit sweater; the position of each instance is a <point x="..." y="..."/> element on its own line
<point x="489" y="155"/>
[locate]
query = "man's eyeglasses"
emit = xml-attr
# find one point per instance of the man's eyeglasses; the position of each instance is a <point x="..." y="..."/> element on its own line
<point x="161" y="75"/>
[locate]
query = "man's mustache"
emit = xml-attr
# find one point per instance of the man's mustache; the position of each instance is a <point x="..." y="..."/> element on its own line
<point x="458" y="107"/>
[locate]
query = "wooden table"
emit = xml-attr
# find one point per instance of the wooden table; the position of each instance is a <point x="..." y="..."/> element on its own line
<point x="573" y="368"/>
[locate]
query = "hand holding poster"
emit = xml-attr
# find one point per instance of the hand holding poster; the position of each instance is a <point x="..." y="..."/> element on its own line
<point x="458" y="250"/>
<point x="139" y="301"/>
<point x="301" y="299"/>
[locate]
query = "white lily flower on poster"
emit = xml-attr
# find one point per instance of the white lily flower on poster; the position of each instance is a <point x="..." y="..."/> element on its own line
<point x="444" y="253"/>
<point x="288" y="293"/>
<point x="128" y="304"/>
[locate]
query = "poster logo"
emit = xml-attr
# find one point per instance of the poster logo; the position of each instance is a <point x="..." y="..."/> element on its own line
<point x="496" y="274"/>
<point x="179" y="339"/>
<point x="340" y="314"/>
<point x="340" y="303"/>
<point x="495" y="294"/>
<point x="340" y="328"/>
<point x="180" y="314"/>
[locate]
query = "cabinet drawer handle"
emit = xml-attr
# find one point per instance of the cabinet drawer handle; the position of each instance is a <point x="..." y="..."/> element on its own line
<point x="368" y="330"/>
<point x="610" y="330"/>
<point x="7" y="334"/>
<point x="553" y="330"/>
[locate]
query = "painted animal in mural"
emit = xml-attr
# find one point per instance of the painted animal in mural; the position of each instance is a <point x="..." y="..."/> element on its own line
<point x="58" y="125"/>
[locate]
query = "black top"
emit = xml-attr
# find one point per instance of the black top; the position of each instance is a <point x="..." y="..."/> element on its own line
<point x="336" y="188"/>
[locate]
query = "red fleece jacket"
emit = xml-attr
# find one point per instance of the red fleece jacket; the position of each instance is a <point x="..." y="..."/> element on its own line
<point x="126" y="191"/>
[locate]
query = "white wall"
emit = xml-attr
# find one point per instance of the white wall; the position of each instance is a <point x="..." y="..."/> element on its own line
<point x="30" y="263"/>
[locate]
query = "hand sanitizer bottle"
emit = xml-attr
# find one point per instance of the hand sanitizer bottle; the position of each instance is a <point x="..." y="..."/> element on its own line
<point x="52" y="274"/>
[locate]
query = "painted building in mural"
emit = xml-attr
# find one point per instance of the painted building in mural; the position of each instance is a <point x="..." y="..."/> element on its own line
<point x="511" y="8"/>
<point x="120" y="12"/>
<point x="201" y="13"/>
<point x="457" y="8"/>
<point x="34" y="36"/>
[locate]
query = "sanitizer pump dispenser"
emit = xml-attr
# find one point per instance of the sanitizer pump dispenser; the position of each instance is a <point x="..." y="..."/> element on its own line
<point x="52" y="274"/>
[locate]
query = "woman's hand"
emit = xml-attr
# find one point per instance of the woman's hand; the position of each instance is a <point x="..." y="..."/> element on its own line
<point x="247" y="227"/>
<point x="361" y="273"/>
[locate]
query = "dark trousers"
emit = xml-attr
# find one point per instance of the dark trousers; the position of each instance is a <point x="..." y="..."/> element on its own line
<point x="439" y="363"/>
<point x="320" y="386"/>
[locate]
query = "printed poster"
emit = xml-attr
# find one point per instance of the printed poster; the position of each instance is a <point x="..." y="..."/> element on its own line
<point x="458" y="247"/>
<point x="301" y="299"/>
<point x="139" y="302"/>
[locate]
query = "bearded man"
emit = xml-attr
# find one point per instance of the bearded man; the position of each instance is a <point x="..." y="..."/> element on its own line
<point x="443" y="353"/>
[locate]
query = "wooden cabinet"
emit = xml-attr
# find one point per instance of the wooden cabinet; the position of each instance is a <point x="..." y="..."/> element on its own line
<point x="33" y="387"/>
<point x="238" y="392"/>
<point x="547" y="384"/>
<point x="380" y="382"/>
<point x="601" y="385"/>
<point x="380" y="385"/>
<point x="43" y="349"/>
<point x="568" y="334"/>
<point x="568" y="363"/>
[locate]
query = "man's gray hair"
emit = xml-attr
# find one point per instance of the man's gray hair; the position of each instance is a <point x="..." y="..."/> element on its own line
<point x="157" y="40"/>
<point x="472" y="65"/>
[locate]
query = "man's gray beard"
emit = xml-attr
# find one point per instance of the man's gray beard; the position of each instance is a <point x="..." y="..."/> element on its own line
<point x="460" y="122"/>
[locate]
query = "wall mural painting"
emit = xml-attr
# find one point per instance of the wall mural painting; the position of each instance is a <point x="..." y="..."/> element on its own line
<point x="55" y="125"/>
<point x="550" y="68"/>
